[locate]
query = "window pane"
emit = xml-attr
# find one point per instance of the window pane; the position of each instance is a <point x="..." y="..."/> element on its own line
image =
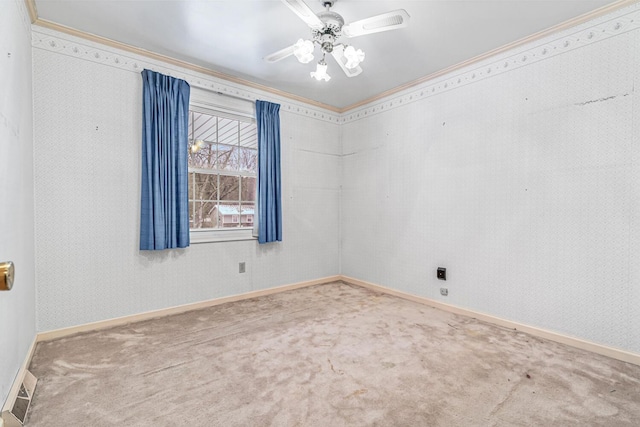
<point x="248" y="214"/>
<point x="206" y="186"/>
<point x="204" y="156"/>
<point x="204" y="127"/>
<point x="248" y="135"/>
<point x="248" y="189"/>
<point x="218" y="144"/>
<point x="229" y="215"/>
<point x="229" y="187"/>
<point x="248" y="159"/>
<point x="204" y="214"/>
<point x="227" y="157"/>
<point x="228" y="131"/>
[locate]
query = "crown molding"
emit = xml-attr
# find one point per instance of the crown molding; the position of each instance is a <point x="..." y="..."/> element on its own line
<point x="386" y="95"/>
<point x="597" y="13"/>
<point x="169" y="60"/>
<point x="596" y="30"/>
<point x="32" y="9"/>
<point x="91" y="51"/>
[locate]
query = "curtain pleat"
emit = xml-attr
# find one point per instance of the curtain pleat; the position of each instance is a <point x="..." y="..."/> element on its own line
<point x="164" y="213"/>
<point x="269" y="187"/>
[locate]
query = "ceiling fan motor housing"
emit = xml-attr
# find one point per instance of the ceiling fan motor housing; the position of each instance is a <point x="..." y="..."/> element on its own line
<point x="326" y="37"/>
<point x="331" y="20"/>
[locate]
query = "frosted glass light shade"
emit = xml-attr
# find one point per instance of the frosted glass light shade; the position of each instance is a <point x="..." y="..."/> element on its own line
<point x="303" y="50"/>
<point x="354" y="57"/>
<point x="321" y="72"/>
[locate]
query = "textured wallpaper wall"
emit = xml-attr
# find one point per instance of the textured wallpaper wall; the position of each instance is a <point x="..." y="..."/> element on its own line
<point x="87" y="161"/>
<point x="18" y="306"/>
<point x="520" y="175"/>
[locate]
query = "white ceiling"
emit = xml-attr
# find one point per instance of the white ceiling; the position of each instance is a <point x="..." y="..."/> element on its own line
<point x="232" y="36"/>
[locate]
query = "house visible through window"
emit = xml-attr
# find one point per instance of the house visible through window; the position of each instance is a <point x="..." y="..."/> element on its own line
<point x="223" y="161"/>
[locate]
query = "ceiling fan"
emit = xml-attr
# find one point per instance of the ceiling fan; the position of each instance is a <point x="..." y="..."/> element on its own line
<point x="326" y="28"/>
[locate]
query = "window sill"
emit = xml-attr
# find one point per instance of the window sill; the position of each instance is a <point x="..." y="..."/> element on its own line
<point x="215" y="236"/>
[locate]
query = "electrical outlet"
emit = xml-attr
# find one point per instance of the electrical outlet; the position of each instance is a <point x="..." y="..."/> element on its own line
<point x="444" y="292"/>
<point x="241" y="267"/>
<point x="442" y="273"/>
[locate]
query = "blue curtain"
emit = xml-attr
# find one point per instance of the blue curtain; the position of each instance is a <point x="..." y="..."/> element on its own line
<point x="269" y="189"/>
<point x="164" y="214"/>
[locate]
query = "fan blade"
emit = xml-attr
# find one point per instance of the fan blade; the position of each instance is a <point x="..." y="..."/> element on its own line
<point x="300" y="8"/>
<point x="338" y="55"/>
<point x="385" y="22"/>
<point x="279" y="55"/>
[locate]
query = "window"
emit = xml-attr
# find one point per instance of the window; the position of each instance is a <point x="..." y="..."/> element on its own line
<point x="223" y="161"/>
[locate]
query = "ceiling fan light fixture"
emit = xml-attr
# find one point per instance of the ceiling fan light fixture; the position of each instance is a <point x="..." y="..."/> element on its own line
<point x="303" y="50"/>
<point x="327" y="28"/>
<point x="321" y="72"/>
<point x="354" y="57"/>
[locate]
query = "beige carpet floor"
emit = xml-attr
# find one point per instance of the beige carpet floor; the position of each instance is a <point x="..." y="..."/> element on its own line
<point x="327" y="355"/>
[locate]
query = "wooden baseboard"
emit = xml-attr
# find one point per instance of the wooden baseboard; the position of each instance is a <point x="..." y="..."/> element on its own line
<point x="612" y="352"/>
<point x="103" y="324"/>
<point x="17" y="382"/>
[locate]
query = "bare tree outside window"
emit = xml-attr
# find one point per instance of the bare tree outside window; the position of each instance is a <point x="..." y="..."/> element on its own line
<point x="223" y="161"/>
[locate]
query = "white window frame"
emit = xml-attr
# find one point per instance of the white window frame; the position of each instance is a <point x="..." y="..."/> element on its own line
<point x="221" y="105"/>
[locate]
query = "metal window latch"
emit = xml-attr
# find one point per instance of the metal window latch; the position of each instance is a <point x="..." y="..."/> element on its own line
<point x="6" y="276"/>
